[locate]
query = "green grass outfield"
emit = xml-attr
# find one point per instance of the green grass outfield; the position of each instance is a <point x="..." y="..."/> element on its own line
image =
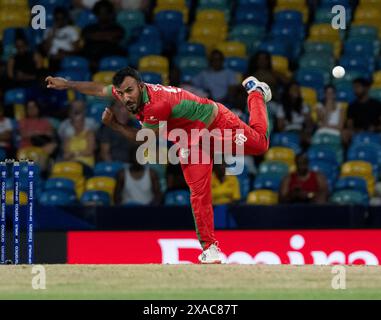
<point x="189" y="282"/>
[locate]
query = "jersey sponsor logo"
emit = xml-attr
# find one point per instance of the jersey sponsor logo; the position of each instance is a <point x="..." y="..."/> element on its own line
<point x="240" y="139"/>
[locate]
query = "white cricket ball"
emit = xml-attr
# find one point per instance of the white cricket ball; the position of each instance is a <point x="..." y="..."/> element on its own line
<point x="338" y="72"/>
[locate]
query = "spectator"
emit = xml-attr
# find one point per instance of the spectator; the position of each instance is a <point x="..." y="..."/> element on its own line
<point x="62" y="39"/>
<point x="23" y="67"/>
<point x="36" y="130"/>
<point x="102" y="39"/>
<point x="114" y="146"/>
<point x="294" y="115"/>
<point x="216" y="80"/>
<point x="260" y="66"/>
<point x="364" y="114"/>
<point x="6" y="134"/>
<point x="80" y="146"/>
<point x="66" y="128"/>
<point x="304" y="185"/>
<point x="331" y="116"/>
<point x="137" y="184"/>
<point x="225" y="188"/>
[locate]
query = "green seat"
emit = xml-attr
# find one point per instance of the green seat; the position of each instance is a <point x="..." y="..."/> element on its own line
<point x="324" y="15"/>
<point x="348" y="78"/>
<point x="349" y="197"/>
<point x="363" y="32"/>
<point x="222" y="5"/>
<point x="248" y="34"/>
<point x="194" y="63"/>
<point x="318" y="47"/>
<point x="320" y="61"/>
<point x="129" y="20"/>
<point x="274" y="167"/>
<point x="330" y="141"/>
<point x="375" y="93"/>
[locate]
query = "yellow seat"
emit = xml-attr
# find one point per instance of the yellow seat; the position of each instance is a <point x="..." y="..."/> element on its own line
<point x="158" y="64"/>
<point x="106" y="184"/>
<point x="211" y="16"/>
<point x="104" y="77"/>
<point x="377" y="79"/>
<point x="367" y="13"/>
<point x="173" y="5"/>
<point x="262" y="197"/>
<point x="324" y="32"/>
<point x="309" y="95"/>
<point x="280" y="64"/>
<point x="178" y="3"/>
<point x="36" y="154"/>
<point x="210" y="35"/>
<point x="23" y="198"/>
<point x="282" y="154"/>
<point x="232" y="49"/>
<point x="67" y="168"/>
<point x="362" y="169"/>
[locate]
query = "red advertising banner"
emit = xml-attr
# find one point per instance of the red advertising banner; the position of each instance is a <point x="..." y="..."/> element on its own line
<point x="320" y="247"/>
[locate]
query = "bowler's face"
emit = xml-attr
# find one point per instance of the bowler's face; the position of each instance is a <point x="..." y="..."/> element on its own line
<point x="130" y="94"/>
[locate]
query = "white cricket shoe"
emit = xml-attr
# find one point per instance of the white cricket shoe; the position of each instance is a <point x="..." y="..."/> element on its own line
<point x="212" y="255"/>
<point x="251" y="84"/>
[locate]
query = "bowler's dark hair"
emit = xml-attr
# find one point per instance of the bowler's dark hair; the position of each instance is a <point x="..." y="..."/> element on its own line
<point x="125" y="72"/>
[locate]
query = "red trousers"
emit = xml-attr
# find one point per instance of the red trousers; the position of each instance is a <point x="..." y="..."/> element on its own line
<point x="198" y="175"/>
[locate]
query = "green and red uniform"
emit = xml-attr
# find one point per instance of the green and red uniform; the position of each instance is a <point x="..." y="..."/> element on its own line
<point x="184" y="110"/>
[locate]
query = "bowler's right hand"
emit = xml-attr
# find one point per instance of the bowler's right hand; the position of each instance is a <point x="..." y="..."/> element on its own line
<point x="56" y="83"/>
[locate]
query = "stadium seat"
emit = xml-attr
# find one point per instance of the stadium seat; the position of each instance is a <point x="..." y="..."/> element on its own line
<point x="15" y="96"/>
<point x="262" y="197"/>
<point x="280" y="64"/>
<point x="309" y="96"/>
<point x="252" y="16"/>
<point x="290" y="17"/>
<point x="327" y="169"/>
<point x="248" y="34"/>
<point x="75" y="63"/>
<point x="85" y="18"/>
<point x="275" y="47"/>
<point x="282" y="154"/>
<point x="236" y="64"/>
<point x="153" y="63"/>
<point x="273" y="168"/>
<point x="232" y="49"/>
<point x="151" y="77"/>
<point x="60" y="183"/>
<point x="324" y="14"/>
<point x="57" y="197"/>
<point x="192" y="64"/>
<point x="95" y="110"/>
<point x="67" y="169"/>
<point x="211" y="16"/>
<point x="352" y="183"/>
<point x="369" y="153"/>
<point x="366" y="138"/>
<point x="268" y="182"/>
<point x="131" y="21"/>
<point x="324" y="153"/>
<point x="108" y="168"/>
<point x="36" y="154"/>
<point x="311" y="78"/>
<point x="73" y="75"/>
<point x="177" y="198"/>
<point x="141" y="49"/>
<point x="191" y="49"/>
<point x="208" y="34"/>
<point x="357" y="169"/>
<point x="363" y="32"/>
<point x="102" y="183"/>
<point x="169" y="23"/>
<point x="104" y="77"/>
<point x="112" y="63"/>
<point x="98" y="198"/>
<point x="349" y="197"/>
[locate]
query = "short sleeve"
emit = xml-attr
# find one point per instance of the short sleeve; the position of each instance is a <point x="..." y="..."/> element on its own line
<point x="153" y="116"/>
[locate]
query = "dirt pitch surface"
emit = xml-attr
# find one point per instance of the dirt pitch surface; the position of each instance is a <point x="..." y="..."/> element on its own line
<point x="189" y="282"/>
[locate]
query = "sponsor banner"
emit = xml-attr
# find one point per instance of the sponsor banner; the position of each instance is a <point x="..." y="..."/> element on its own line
<point x="320" y="247"/>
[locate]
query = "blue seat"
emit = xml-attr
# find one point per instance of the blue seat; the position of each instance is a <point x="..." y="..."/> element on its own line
<point x="61" y="184"/>
<point x="274" y="47"/>
<point x="57" y="197"/>
<point x="169" y="23"/>
<point x="290" y="17"/>
<point x="101" y="198"/>
<point x="286" y="139"/>
<point x="366" y="137"/>
<point x="192" y="64"/>
<point x="311" y="78"/>
<point x="369" y="153"/>
<point x="324" y="153"/>
<point x="273" y="168"/>
<point x="112" y="63"/>
<point x="108" y="168"/>
<point x="331" y="3"/>
<point x="75" y="63"/>
<point x="191" y="49"/>
<point x="364" y="32"/>
<point x="360" y="63"/>
<point x="95" y="110"/>
<point x="151" y="77"/>
<point x="177" y="198"/>
<point x="352" y="183"/>
<point x="131" y="21"/>
<point x="290" y="31"/>
<point x="345" y="94"/>
<point x="15" y="96"/>
<point x="74" y="75"/>
<point x="236" y="64"/>
<point x="268" y="181"/>
<point x="85" y="18"/>
<point x="149" y="33"/>
<point x="258" y="3"/>
<point x="247" y="14"/>
<point x="350" y="197"/>
<point x="144" y="48"/>
<point x="325" y="167"/>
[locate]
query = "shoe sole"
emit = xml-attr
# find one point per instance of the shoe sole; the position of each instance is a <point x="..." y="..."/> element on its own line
<point x="212" y="262"/>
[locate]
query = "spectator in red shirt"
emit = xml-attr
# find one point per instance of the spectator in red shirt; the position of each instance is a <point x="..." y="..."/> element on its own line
<point x="304" y="185"/>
